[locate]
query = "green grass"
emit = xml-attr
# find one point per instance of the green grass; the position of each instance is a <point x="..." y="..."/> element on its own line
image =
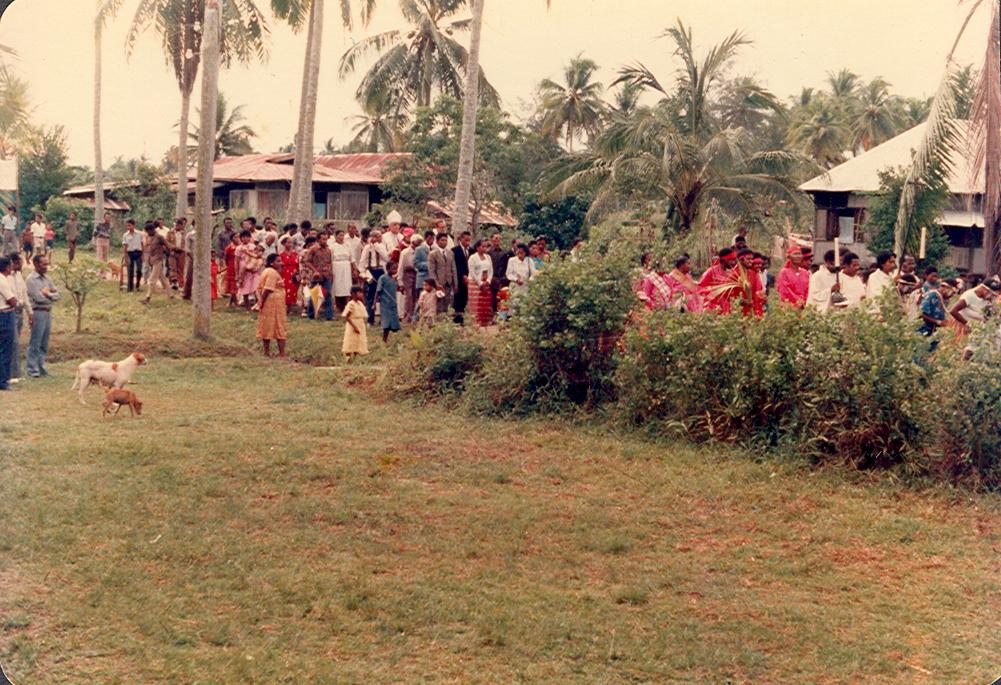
<point x="269" y="522"/>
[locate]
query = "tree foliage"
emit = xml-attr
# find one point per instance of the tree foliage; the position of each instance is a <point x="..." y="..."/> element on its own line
<point x="42" y="172"/>
<point x="930" y="202"/>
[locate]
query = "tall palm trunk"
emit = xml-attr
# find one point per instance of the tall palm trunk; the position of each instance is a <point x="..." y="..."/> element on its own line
<point x="467" y="145"/>
<point x="98" y="167"/>
<point x="300" y="203"/>
<point x="181" y="206"/>
<point x="988" y="111"/>
<point x="201" y="292"/>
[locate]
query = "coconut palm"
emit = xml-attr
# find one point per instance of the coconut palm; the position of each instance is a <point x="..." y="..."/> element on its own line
<point x="744" y="103"/>
<point x="232" y="136"/>
<point x="470" y="103"/>
<point x="943" y="137"/>
<point x="414" y="64"/>
<point x="574" y="107"/>
<point x="876" y="117"/>
<point x="818" y="130"/>
<point x="843" y="84"/>
<point x="201" y="291"/>
<point x="179" y="26"/>
<point x="626" y="99"/>
<point x="14" y="110"/>
<point x="380" y="128"/>
<point x="677" y="150"/>
<point x="309" y="13"/>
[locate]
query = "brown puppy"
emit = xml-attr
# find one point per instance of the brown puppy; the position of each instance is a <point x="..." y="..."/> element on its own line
<point x="120" y="397"/>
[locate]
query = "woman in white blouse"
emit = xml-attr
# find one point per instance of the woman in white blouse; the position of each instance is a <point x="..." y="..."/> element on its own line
<point x="520" y="270"/>
<point x="481" y="272"/>
<point x="342" y="258"/>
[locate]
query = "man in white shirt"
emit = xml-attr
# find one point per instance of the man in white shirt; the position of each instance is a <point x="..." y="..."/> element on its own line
<point x="9" y="229"/>
<point x="8" y="327"/>
<point x="353" y="240"/>
<point x="132" y="247"/>
<point x="823" y="282"/>
<point x="23" y="305"/>
<point x="38" y="234"/>
<point x="851" y="283"/>
<point x="971" y="307"/>
<point x="882" y="278"/>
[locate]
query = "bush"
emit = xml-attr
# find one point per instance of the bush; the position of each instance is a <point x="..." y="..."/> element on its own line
<point x="569" y="323"/>
<point x="57" y="210"/>
<point x="965" y="408"/>
<point x="436" y="364"/>
<point x="844" y="385"/>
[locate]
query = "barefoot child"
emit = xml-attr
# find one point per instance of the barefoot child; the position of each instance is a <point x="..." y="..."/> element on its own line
<point x="427" y="304"/>
<point x="385" y="291"/>
<point x="355" y="315"/>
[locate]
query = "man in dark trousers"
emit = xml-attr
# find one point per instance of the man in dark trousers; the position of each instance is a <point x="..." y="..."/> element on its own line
<point x="499" y="258"/>
<point x="461" y="252"/>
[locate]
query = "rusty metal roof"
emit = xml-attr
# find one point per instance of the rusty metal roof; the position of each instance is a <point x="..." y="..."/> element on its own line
<point x="492" y="215"/>
<point x="361" y="168"/>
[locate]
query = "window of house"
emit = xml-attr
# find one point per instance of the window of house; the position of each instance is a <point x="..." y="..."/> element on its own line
<point x="239" y="199"/>
<point x="347" y="205"/>
<point x="846" y="224"/>
<point x="272" y="202"/>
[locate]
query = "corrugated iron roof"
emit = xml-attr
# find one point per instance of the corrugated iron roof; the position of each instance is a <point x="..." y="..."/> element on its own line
<point x="363" y="169"/>
<point x="861" y="174"/>
<point x="493" y="215"/>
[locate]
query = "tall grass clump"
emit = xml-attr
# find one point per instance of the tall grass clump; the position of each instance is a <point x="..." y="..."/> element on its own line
<point x="436" y="364"/>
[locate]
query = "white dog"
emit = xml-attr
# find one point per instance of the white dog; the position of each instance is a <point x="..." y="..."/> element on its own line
<point x="106" y="374"/>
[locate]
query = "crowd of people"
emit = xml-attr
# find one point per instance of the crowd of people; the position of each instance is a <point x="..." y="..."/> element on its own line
<point x="398" y="275"/>
<point x="738" y="280"/>
<point x="395" y="274"/>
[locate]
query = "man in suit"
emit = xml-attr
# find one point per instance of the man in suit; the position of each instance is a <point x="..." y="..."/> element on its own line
<point x="499" y="257"/>
<point x="461" y="253"/>
<point x="441" y="267"/>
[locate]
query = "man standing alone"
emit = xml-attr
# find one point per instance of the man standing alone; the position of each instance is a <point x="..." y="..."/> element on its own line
<point x="156" y="252"/>
<point x="132" y="246"/>
<point x="72" y="235"/>
<point x="42" y="293"/>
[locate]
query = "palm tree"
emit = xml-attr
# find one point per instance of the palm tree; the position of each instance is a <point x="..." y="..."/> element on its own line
<point x="843" y="84"/>
<point x="309" y="13"/>
<point x="573" y="108"/>
<point x="818" y="131"/>
<point x="745" y="103"/>
<point x="626" y="99"/>
<point x="413" y="64"/>
<point x="14" y="110"/>
<point x="179" y="25"/>
<point x="232" y="136"/>
<point x="201" y="272"/>
<point x="677" y="150"/>
<point x="470" y="103"/>
<point x="380" y="128"/>
<point x="876" y="118"/>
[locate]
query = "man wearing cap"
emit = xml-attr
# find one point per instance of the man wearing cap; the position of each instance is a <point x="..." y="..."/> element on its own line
<point x="391" y="238"/>
<point x="794" y="279"/>
<point x="972" y="307"/>
<point x="718" y="274"/>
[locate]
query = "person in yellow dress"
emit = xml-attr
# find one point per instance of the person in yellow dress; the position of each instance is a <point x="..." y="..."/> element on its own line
<point x="355" y="315"/>
<point x="272" y="323"/>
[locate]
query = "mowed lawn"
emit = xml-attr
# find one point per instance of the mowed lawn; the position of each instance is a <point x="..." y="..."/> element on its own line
<point x="268" y="522"/>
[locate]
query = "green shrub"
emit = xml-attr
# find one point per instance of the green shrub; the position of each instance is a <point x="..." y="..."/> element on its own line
<point x="844" y="385"/>
<point x="965" y="409"/>
<point x="57" y="210"/>
<point x="436" y="363"/>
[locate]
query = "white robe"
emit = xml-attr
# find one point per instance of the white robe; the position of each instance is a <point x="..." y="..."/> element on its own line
<point x="819" y="294"/>
<point x="853" y="289"/>
<point x="879" y="281"/>
<point x="340" y="254"/>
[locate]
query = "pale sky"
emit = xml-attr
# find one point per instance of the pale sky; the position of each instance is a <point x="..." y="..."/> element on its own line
<point x="796" y="42"/>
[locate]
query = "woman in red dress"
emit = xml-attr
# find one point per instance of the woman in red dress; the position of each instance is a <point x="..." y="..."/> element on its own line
<point x="230" y="285"/>
<point x="290" y="272"/>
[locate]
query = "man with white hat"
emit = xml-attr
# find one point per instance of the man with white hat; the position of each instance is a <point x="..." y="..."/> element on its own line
<point x="392" y="238"/>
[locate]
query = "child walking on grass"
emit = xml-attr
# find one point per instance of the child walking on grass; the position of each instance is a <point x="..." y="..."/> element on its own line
<point x="355" y="317"/>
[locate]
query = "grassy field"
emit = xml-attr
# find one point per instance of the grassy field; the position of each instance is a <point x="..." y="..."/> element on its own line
<point x="269" y="522"/>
